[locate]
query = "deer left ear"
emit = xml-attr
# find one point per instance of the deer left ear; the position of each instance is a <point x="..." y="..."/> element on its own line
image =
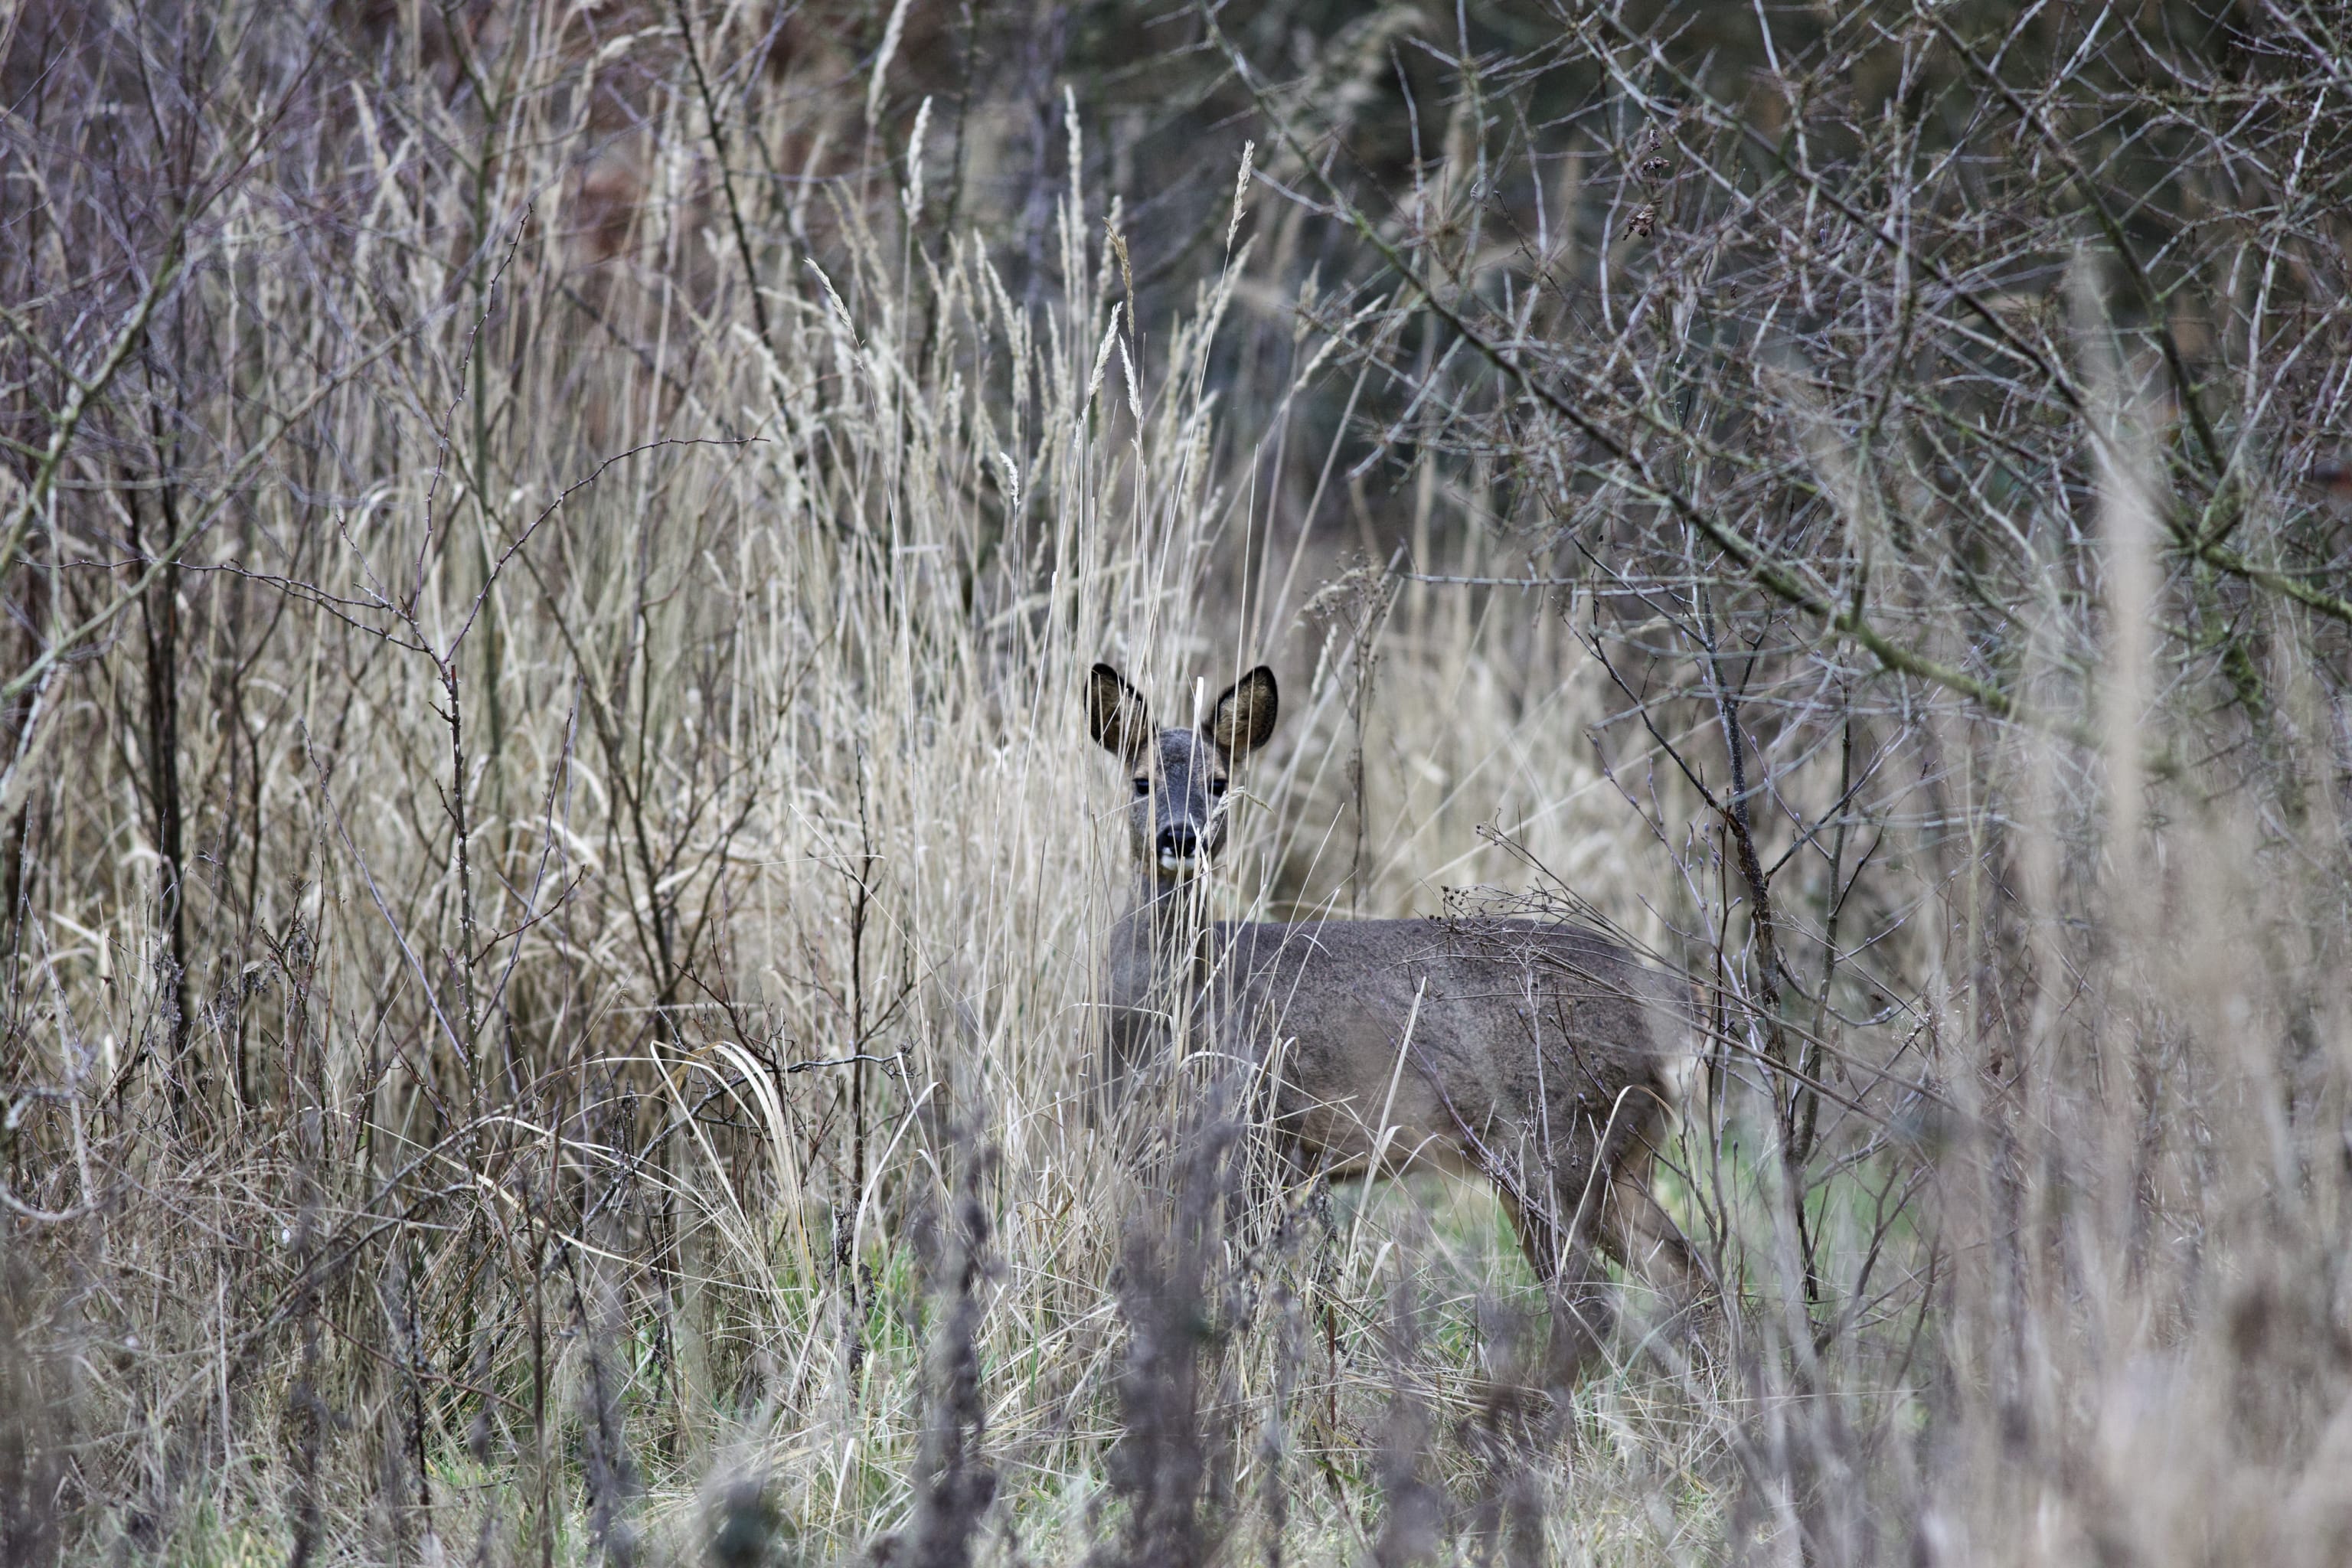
<point x="1244" y="716"/>
<point x="1116" y="714"/>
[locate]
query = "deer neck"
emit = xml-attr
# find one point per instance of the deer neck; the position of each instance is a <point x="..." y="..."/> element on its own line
<point x="1155" y="944"/>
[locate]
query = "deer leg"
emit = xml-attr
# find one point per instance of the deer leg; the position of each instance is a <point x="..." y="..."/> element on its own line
<point x="1638" y="1232"/>
<point x="1641" y="1235"/>
<point x="1563" y="1257"/>
<point x="1575" y="1283"/>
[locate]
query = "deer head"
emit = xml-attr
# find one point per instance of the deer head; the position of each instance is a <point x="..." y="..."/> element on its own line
<point x="1176" y="820"/>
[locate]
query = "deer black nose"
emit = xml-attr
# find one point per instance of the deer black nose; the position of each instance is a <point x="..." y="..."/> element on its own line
<point x="1178" y="838"/>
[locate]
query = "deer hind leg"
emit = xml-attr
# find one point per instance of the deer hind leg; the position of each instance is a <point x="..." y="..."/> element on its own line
<point x="1636" y="1230"/>
<point x="1560" y="1245"/>
<point x="1599" y="1203"/>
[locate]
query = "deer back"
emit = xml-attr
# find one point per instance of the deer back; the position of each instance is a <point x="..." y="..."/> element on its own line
<point x="1473" y="1042"/>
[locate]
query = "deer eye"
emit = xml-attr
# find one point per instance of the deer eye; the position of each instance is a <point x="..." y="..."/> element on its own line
<point x="1143" y="789"/>
<point x="1216" y="786"/>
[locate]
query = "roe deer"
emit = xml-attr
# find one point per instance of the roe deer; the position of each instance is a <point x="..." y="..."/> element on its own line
<point x="1534" y="1054"/>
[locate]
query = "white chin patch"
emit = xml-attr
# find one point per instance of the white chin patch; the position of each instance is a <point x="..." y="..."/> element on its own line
<point x="1183" y="863"/>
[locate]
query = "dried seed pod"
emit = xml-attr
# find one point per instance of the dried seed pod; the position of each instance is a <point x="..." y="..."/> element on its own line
<point x="1644" y="223"/>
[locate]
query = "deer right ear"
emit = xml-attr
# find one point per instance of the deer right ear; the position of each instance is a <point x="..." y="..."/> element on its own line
<point x="1244" y="715"/>
<point x="1117" y="714"/>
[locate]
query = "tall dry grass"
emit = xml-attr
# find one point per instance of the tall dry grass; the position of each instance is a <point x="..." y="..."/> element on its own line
<point x="555" y="872"/>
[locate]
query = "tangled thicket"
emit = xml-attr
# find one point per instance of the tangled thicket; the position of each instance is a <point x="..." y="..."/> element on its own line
<point x="553" y="871"/>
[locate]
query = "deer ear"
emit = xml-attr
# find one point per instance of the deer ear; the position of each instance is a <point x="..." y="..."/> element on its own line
<point x="1117" y="714"/>
<point x="1244" y="716"/>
